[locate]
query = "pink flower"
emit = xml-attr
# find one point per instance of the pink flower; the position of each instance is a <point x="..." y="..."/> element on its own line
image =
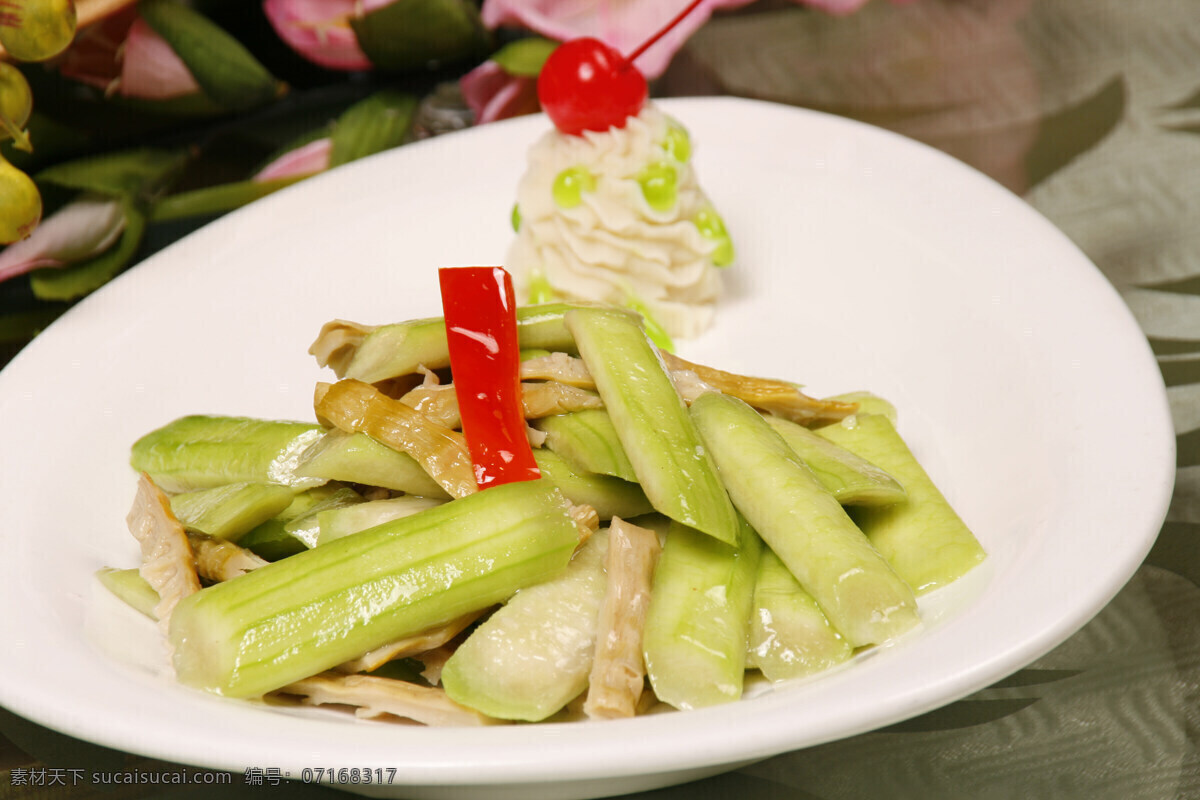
<point x="150" y="69"/>
<point x="494" y="94"/>
<point x="320" y="30"/>
<point x="123" y="55"/>
<point x="301" y="162"/>
<point x="625" y="24"/>
<point x="622" y="24"/>
<point x="76" y="232"/>
<point x="843" y="6"/>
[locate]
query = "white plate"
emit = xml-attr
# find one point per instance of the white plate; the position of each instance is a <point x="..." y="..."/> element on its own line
<point x="865" y="261"/>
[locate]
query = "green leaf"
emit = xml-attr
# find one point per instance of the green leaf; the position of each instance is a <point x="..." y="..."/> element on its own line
<point x="419" y="34"/>
<point x="132" y="174"/>
<point x="225" y="70"/>
<point x="524" y="57"/>
<point x="195" y="105"/>
<point x="216" y="199"/>
<point x="1067" y="134"/>
<point x="52" y="142"/>
<point x="962" y="714"/>
<point x="79" y="279"/>
<point x="380" y="122"/>
<point x="23" y="326"/>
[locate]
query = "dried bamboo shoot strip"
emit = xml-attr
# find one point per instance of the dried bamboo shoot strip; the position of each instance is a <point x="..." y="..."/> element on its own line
<point x="768" y="394"/>
<point x="618" y="671"/>
<point x="220" y="559"/>
<point x="410" y="645"/>
<point x="373" y="696"/>
<point x="168" y="564"/>
<point x="357" y="407"/>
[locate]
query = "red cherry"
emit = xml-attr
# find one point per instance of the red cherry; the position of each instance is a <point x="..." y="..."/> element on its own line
<point x="585" y="85"/>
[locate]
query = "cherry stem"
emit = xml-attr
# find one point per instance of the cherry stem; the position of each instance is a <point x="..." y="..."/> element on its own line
<point x="646" y="45"/>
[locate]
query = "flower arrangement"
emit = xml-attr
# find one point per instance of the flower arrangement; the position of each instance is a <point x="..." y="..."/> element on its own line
<point x="125" y="123"/>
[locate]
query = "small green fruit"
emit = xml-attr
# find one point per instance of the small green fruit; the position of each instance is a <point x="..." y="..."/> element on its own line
<point x="35" y="30"/>
<point x="16" y="104"/>
<point x="20" y="204"/>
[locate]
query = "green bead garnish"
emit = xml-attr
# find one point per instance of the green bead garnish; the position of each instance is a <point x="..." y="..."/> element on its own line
<point x="654" y="330"/>
<point x="677" y="144"/>
<point x="570" y="184"/>
<point x="711" y="226"/>
<point x="516" y="217"/>
<point x="723" y="255"/>
<point x="540" y="290"/>
<point x="659" y="185"/>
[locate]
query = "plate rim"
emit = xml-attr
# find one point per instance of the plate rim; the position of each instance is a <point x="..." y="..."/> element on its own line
<point x="754" y="745"/>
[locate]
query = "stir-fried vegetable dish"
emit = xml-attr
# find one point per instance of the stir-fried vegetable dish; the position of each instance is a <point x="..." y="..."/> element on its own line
<point x="523" y="514"/>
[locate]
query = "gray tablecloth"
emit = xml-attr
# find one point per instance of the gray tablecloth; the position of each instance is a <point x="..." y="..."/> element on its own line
<point x="1090" y="109"/>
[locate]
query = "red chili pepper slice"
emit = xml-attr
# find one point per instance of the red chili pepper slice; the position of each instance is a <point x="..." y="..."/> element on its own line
<point x="485" y="359"/>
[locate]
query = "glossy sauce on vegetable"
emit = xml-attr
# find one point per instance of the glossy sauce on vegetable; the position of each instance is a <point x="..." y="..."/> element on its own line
<point x="481" y="331"/>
